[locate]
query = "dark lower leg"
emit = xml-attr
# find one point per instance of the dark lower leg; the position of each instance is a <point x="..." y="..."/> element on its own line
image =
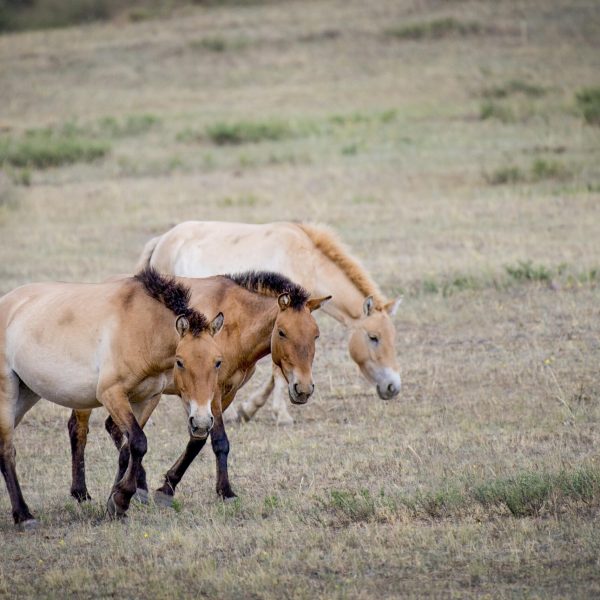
<point x="20" y="510"/>
<point x="177" y="471"/>
<point x="118" y="439"/>
<point x="78" y="431"/>
<point x="220" y="446"/>
<point x="130" y="459"/>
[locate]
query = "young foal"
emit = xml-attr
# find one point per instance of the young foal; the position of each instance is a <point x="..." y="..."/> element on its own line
<point x="112" y="344"/>
<point x="266" y="312"/>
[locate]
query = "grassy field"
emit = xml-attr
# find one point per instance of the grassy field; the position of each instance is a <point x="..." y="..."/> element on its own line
<point x="454" y="146"/>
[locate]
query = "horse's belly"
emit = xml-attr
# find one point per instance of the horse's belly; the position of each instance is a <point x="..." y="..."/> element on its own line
<point x="63" y="382"/>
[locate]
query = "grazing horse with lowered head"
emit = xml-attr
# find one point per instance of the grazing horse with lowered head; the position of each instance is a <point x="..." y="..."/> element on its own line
<point x="112" y="344"/>
<point x="309" y="254"/>
<point x="265" y="313"/>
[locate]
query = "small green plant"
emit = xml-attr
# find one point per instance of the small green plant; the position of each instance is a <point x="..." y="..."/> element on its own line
<point x="523" y="495"/>
<point x="548" y="169"/>
<point x="588" y="102"/>
<point x="244" y="132"/>
<point x="494" y="110"/>
<point x="350" y="149"/>
<point x="436" y="29"/>
<point x="504" y="175"/>
<point x="130" y="126"/>
<point x="243" y="200"/>
<point x="352" y="506"/>
<point x="527" y="271"/>
<point x="514" y="86"/>
<point x="46" y="148"/>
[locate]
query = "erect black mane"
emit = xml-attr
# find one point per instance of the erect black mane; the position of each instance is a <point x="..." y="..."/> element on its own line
<point x="269" y="283"/>
<point x="172" y="294"/>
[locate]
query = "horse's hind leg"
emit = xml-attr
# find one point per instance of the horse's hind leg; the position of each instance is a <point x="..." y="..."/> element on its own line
<point x="9" y="394"/>
<point x="247" y="409"/>
<point x="78" y="431"/>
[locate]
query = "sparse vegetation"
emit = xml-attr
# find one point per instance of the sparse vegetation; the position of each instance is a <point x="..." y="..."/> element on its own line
<point x="248" y="132"/>
<point x="588" y="102"/>
<point x="514" y="86"/>
<point x="504" y="175"/>
<point x="131" y="125"/>
<point x="435" y="29"/>
<point x="526" y="270"/>
<point x="540" y="170"/>
<point x="41" y="149"/>
<point x="491" y="109"/>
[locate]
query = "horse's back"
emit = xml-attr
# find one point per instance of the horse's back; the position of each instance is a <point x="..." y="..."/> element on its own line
<point x="205" y="248"/>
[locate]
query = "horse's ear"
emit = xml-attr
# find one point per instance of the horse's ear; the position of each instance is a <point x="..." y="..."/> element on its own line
<point x="392" y="306"/>
<point x="316" y="303"/>
<point x="284" y="301"/>
<point x="368" y="306"/>
<point x="182" y="325"/>
<point x="216" y="324"/>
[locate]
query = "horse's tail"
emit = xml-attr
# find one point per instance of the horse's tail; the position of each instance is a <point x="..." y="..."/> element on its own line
<point x="146" y="256"/>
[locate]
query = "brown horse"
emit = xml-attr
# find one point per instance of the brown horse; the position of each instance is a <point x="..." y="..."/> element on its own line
<point x="113" y="344"/>
<point x="266" y="312"/>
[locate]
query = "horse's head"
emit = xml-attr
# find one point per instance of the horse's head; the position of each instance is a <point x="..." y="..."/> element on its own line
<point x="197" y="363"/>
<point x="293" y="344"/>
<point x="372" y="347"/>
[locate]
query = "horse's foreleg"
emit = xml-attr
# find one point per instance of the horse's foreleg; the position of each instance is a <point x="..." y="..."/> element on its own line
<point x="142" y="411"/>
<point x="9" y="390"/>
<point x="220" y="446"/>
<point x="116" y="402"/>
<point x="164" y="494"/>
<point x="78" y="431"/>
<point x="247" y="409"/>
<point x="280" y="395"/>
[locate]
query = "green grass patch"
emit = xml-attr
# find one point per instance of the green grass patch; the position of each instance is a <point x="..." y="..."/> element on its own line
<point x="526" y="270"/>
<point x="248" y="200"/>
<point x="46" y="148"/>
<point x="435" y="29"/>
<point x="540" y="170"/>
<point x="248" y="132"/>
<point x="548" y="169"/>
<point x="504" y="175"/>
<point x="490" y="109"/>
<point x="512" y="87"/>
<point x="132" y="125"/>
<point x="218" y="44"/>
<point x="588" y="102"/>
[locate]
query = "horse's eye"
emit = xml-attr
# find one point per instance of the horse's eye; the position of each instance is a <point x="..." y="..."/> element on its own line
<point x="317" y="337"/>
<point x="179" y="363"/>
<point x="282" y="334"/>
<point x="218" y="364"/>
<point x="373" y="338"/>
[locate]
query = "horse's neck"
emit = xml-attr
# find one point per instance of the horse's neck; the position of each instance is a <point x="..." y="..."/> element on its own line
<point x="347" y="302"/>
<point x="255" y="340"/>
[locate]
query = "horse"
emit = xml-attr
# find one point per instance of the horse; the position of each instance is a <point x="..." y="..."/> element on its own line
<point x="309" y="254"/>
<point x="118" y="344"/>
<point x="266" y="313"/>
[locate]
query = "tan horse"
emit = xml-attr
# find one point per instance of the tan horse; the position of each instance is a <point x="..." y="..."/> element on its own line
<point x="312" y="256"/>
<point x="265" y="313"/>
<point x="111" y="344"/>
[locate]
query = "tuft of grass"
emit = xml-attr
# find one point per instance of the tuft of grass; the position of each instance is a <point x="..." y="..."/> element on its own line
<point x="243" y="200"/>
<point x="352" y="506"/>
<point x="245" y="132"/>
<point x="435" y="29"/>
<point x="548" y="169"/>
<point x="526" y="270"/>
<point x="130" y="126"/>
<point x="514" y="86"/>
<point x="494" y="110"/>
<point x="46" y="148"/>
<point x="588" y="102"/>
<point x="504" y="175"/>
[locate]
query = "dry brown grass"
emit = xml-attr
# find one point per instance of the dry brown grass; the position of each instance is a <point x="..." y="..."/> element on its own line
<point x="500" y="376"/>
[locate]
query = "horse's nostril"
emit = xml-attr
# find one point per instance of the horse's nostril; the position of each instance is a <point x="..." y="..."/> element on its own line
<point x="391" y="388"/>
<point x="296" y="389"/>
<point x="212" y="421"/>
<point x="312" y="388"/>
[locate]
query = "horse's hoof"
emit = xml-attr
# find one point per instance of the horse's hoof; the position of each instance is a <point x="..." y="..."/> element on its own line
<point x="229" y="499"/>
<point x="162" y="499"/>
<point x="29" y="525"/>
<point x="81" y="496"/>
<point x="114" y="511"/>
<point x="141" y="496"/>
<point x="285" y="421"/>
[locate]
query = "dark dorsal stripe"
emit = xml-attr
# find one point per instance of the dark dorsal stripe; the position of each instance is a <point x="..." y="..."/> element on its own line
<point x="174" y="295"/>
<point x="269" y="283"/>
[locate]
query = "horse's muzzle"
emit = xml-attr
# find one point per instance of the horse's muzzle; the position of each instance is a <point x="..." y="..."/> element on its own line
<point x="300" y="395"/>
<point x="388" y="392"/>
